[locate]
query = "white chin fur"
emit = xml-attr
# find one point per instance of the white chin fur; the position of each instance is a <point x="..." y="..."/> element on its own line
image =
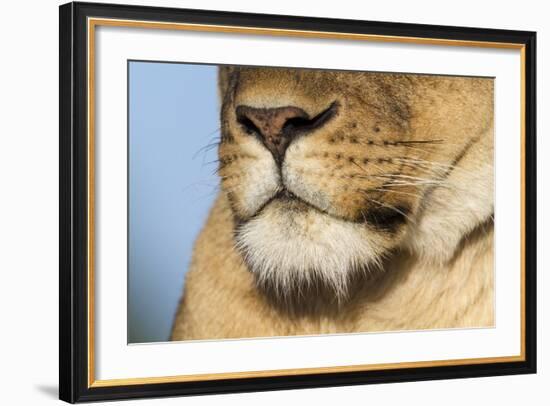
<point x="286" y="249"/>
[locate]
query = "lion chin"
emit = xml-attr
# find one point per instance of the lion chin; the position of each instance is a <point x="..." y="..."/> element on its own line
<point x="290" y="245"/>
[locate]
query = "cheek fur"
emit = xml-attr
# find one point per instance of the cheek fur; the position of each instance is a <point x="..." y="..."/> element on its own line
<point x="303" y="176"/>
<point x="249" y="183"/>
<point x="312" y="172"/>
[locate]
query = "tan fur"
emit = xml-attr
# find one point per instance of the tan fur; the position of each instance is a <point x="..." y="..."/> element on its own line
<point x="413" y="143"/>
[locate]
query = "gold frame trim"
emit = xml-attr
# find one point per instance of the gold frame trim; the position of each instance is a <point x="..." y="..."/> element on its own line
<point x="94" y="22"/>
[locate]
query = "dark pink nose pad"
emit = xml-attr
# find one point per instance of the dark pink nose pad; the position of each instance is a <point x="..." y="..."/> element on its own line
<point x="277" y="127"/>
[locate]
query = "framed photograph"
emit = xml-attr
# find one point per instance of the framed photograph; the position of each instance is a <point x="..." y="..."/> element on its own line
<point x="255" y="202"/>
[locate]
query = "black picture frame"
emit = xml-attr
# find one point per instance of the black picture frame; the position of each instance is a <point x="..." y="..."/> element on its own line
<point x="73" y="284"/>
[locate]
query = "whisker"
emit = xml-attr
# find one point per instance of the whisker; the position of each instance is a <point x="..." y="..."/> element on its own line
<point x="215" y="161"/>
<point x="407" y="177"/>
<point x="403" y="184"/>
<point x="206" y="148"/>
<point x="419" y="142"/>
<point x="445" y="167"/>
<point x="421" y="145"/>
<point x="359" y="166"/>
<point x="370" y="164"/>
<point x="417" y="195"/>
<point x="214" y="131"/>
<point x="424" y="149"/>
<point x="391" y="208"/>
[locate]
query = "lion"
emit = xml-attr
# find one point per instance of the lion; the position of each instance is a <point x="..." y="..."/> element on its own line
<point x="349" y="202"/>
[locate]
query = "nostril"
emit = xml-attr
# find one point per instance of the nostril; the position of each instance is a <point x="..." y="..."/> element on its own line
<point x="296" y="124"/>
<point x="247" y="124"/>
<point x="302" y="124"/>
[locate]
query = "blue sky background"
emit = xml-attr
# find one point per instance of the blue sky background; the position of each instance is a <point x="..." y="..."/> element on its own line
<point x="173" y="116"/>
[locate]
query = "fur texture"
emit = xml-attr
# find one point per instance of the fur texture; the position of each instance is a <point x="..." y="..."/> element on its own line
<point x="380" y="219"/>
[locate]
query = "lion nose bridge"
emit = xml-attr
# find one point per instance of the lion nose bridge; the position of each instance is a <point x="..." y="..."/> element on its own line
<point x="272" y="125"/>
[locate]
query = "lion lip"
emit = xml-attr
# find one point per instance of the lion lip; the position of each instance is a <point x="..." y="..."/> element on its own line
<point x="285" y="194"/>
<point x="293" y="201"/>
<point x="285" y="198"/>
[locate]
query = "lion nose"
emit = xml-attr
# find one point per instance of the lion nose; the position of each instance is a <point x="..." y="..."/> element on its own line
<point x="276" y="127"/>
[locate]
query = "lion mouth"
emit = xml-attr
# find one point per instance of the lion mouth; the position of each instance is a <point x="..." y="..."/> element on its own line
<point x="284" y="198"/>
<point x="286" y="195"/>
<point x="287" y="200"/>
<point x="388" y="218"/>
